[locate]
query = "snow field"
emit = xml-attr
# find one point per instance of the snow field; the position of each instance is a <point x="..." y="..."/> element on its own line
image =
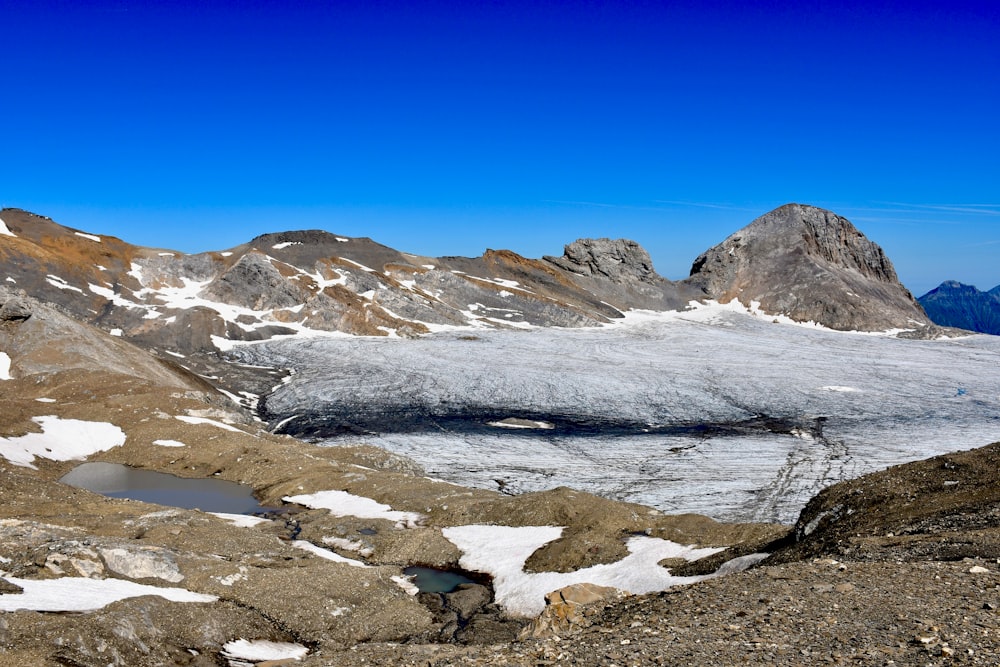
<point x="83" y="594"/>
<point x="61" y="440"/>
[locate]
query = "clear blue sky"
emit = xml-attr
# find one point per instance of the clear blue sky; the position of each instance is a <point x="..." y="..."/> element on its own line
<point x="448" y="128"/>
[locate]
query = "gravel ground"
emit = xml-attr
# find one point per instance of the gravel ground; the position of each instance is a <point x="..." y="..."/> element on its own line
<point x="820" y="612"/>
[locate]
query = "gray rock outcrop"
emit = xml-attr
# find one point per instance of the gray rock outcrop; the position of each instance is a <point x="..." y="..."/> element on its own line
<point x="811" y="265"/>
<point x="619" y="260"/>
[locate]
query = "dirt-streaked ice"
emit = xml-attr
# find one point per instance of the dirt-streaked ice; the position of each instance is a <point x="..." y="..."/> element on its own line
<point x="712" y="411"/>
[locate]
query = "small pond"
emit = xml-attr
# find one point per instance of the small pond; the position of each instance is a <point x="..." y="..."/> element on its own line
<point x="206" y="494"/>
<point x="432" y="580"/>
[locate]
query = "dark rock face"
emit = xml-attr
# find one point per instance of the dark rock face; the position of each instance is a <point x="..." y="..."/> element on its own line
<point x="811" y="265"/>
<point x="953" y="304"/>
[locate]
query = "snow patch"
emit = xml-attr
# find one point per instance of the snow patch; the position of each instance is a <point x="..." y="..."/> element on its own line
<point x="341" y="240"/>
<point x="285" y="244"/>
<point x="116" y="332"/>
<point x="45" y="399"/>
<point x="406" y="583"/>
<point x="61" y="440"/>
<point x="326" y="553"/>
<point x="240" y="520"/>
<point x="262" y="650"/>
<point x="56" y="281"/>
<point x="4" y="231"/>
<point x="5" y="367"/>
<point x="342" y="503"/>
<point x="515" y="423"/>
<point x="348" y="545"/>
<point x="89" y="236"/>
<point x="502" y="551"/>
<point x="205" y="420"/>
<point x="169" y="443"/>
<point x="83" y="594"/>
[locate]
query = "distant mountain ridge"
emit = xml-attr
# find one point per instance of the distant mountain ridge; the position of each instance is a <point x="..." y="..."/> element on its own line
<point x="953" y="304"/>
<point x="799" y="261"/>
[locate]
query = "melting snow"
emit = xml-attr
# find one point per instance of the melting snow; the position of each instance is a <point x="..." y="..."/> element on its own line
<point x="205" y="420"/>
<point x="5" y="367"/>
<point x="240" y="520"/>
<point x="61" y="440"/>
<point x="326" y="553"/>
<point x="45" y="400"/>
<point x="89" y="236"/>
<point x="279" y="246"/>
<point x="169" y="443"/>
<point x="4" y="231"/>
<point x="406" y="583"/>
<point x="502" y="551"/>
<point x="261" y="650"/>
<point x="83" y="594"/>
<point x="116" y="332"/>
<point x="360" y="266"/>
<point x="341" y="240"/>
<point x="114" y="297"/>
<point x="341" y="503"/>
<point x="56" y="281"/>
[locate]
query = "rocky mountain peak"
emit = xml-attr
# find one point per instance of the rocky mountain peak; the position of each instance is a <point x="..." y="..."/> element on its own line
<point x="303" y="237"/>
<point x="811" y="265"/>
<point x="954" y="304"/>
<point x="619" y="260"/>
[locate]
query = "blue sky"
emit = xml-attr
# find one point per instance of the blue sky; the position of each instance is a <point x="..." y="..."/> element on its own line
<point x="448" y="128"/>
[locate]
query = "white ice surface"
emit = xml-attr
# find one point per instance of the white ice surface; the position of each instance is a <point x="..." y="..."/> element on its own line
<point x="341" y="503"/>
<point x="5" y="366"/>
<point x="502" y="551"/>
<point x="83" y="594"/>
<point x="61" y="440"/>
<point x="262" y="650"/>
<point x="679" y="375"/>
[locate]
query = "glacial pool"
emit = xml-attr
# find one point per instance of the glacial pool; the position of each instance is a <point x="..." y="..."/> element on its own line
<point x="205" y="494"/>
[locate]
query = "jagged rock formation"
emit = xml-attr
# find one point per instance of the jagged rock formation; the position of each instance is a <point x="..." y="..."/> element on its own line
<point x="811" y="265"/>
<point x="953" y="304"/>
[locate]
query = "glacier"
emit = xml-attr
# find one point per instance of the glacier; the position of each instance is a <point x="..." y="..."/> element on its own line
<point x="716" y="410"/>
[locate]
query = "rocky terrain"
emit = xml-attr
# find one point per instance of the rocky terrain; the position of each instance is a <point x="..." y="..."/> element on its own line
<point x="110" y="353"/>
<point x="953" y="304"/>
<point x="799" y="261"/>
